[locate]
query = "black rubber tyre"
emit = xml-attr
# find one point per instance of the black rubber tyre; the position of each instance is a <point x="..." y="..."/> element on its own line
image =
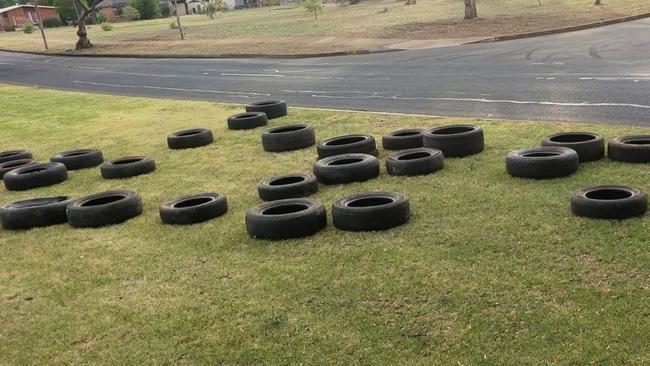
<point x="346" y="168"/>
<point x="609" y="202"/>
<point x="542" y="162"/>
<point x="287" y="186"/>
<point x="630" y="149"/>
<point x="286" y="219"/>
<point x="37" y="212"/>
<point x="371" y="211"/>
<point x="287" y="138"/>
<point x="79" y="159"/>
<point x="129" y="166"/>
<point x="272" y="108"/>
<point x="188" y="139"/>
<point x="193" y="209"/>
<point x="418" y="161"/>
<point x="455" y="140"/>
<point x="349" y="144"/>
<point x="103" y="209"/>
<point x="403" y="139"/>
<point x="15" y="155"/>
<point x="247" y="121"/>
<point x="589" y="146"/>
<point x="10" y="165"/>
<point x="34" y="176"/>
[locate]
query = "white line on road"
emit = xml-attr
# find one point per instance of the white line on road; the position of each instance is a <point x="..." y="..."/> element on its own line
<point x="233" y="93"/>
<point x="281" y="76"/>
<point x="89" y="67"/>
<point x="7" y="63"/>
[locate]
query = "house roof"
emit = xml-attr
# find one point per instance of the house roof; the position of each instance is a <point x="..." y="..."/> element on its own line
<point x="4" y="10"/>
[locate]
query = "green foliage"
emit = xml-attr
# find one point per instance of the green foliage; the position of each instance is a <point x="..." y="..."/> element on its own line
<point x="52" y="22"/>
<point x="66" y="9"/>
<point x="313" y="6"/>
<point x="28" y="27"/>
<point x="148" y="9"/>
<point x="106" y="26"/>
<point x="101" y="17"/>
<point x="214" y="7"/>
<point x="131" y="13"/>
<point x="173" y="25"/>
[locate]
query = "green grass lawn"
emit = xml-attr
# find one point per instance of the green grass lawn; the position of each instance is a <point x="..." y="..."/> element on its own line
<point x="491" y="270"/>
<point x="372" y="24"/>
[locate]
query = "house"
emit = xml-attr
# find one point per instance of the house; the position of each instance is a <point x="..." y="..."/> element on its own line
<point x="13" y="17"/>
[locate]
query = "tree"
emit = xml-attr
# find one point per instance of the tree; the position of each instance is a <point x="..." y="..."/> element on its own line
<point x="470" y="9"/>
<point x="215" y="6"/>
<point x="148" y="9"/>
<point x="131" y="13"/>
<point x="598" y="2"/>
<point x="313" y="6"/>
<point x="66" y="9"/>
<point x="86" y="9"/>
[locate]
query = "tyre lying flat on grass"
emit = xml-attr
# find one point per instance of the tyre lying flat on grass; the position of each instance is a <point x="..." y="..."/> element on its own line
<point x="286" y="219"/>
<point x="272" y="108"/>
<point x="10" y="165"/>
<point x="188" y="139"/>
<point x="79" y="159"/>
<point x="589" y="146"/>
<point x="103" y="209"/>
<point x="346" y="168"/>
<point x="542" y="162"/>
<point x="418" y="161"/>
<point x="609" y="202"/>
<point x="247" y="121"/>
<point x="15" y="155"/>
<point x="403" y="139"/>
<point x="129" y="166"/>
<point x="36" y="212"/>
<point x="287" y="186"/>
<point x="288" y="138"/>
<point x="455" y="140"/>
<point x="193" y="209"/>
<point x="371" y="211"/>
<point x="630" y="149"/>
<point x="35" y="176"/>
<point x="349" y="144"/>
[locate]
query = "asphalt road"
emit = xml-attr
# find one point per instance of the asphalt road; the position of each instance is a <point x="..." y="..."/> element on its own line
<point x="600" y="75"/>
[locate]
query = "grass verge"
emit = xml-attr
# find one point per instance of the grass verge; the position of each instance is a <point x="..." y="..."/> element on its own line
<point x="368" y="25"/>
<point x="490" y="269"/>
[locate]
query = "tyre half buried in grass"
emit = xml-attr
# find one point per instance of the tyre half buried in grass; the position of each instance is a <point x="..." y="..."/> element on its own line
<point x="630" y="149"/>
<point x="79" y="159"/>
<point x="542" y="162"/>
<point x="371" y="211"/>
<point x="455" y="140"/>
<point x="420" y="161"/>
<point x="188" y="139"/>
<point x="36" y="212"/>
<point x="589" y="146"/>
<point x="193" y="209"/>
<point x="286" y="219"/>
<point x="346" y="168"/>
<point x="288" y="138"/>
<point x="103" y="209"/>
<point x="35" y="176"/>
<point x="15" y="155"/>
<point x="272" y="108"/>
<point x="10" y="165"/>
<point x="129" y="166"/>
<point x="403" y="139"/>
<point x="247" y="121"/>
<point x="349" y="144"/>
<point x="287" y="186"/>
<point x="609" y="202"/>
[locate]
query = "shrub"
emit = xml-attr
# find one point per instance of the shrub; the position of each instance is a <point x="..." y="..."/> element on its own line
<point x="215" y="6"/>
<point x="101" y="17"/>
<point x="173" y="25"/>
<point x="131" y="13"/>
<point x="148" y="9"/>
<point x="106" y="26"/>
<point x="52" y="22"/>
<point x="28" y="27"/>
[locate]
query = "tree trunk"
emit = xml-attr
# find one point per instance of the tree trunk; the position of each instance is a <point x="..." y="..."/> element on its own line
<point x="83" y="41"/>
<point x="598" y="2"/>
<point x="470" y="9"/>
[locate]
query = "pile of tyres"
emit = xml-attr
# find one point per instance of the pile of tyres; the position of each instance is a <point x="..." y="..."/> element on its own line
<point x="287" y="211"/>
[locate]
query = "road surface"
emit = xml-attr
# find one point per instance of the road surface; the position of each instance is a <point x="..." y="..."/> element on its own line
<point x="599" y="75"/>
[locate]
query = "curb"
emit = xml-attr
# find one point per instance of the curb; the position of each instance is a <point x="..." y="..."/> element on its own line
<point x="223" y="56"/>
<point x="561" y="30"/>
